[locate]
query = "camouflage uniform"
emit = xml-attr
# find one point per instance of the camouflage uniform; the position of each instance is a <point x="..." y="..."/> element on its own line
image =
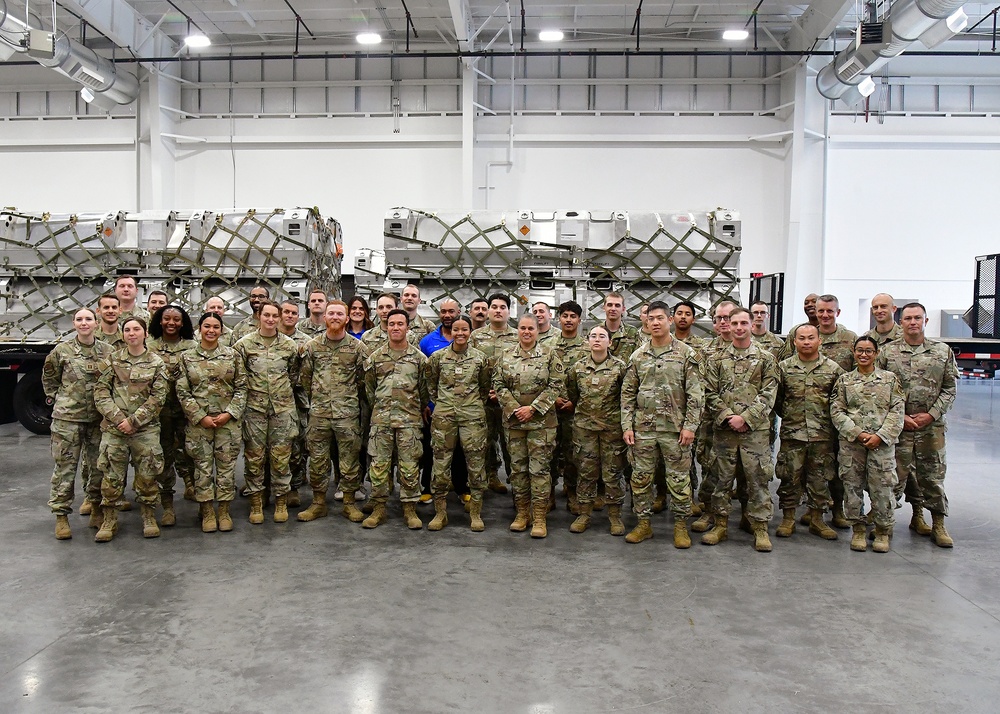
<point x="421" y="327"/>
<point x="68" y="377"/>
<point x="175" y="459"/>
<point x="623" y="342"/>
<point x="896" y="333"/>
<point x="270" y="423"/>
<point x="548" y="337"/>
<point x="742" y="382"/>
<point x="211" y="383"/>
<point x="300" y="453"/>
<point x="770" y="342"/>
<point x="530" y="378"/>
<point x="310" y="329"/>
<point x="662" y="395"/>
<point x="704" y="450"/>
<point x="332" y="379"/>
<point x="871" y="403"/>
<point x="839" y="346"/>
<point x="132" y="388"/>
<point x="136" y="311"/>
<point x="458" y="384"/>
<point x="807" y="459"/>
<point x="377" y="336"/>
<point x="598" y="448"/>
<point x="246" y="326"/>
<point x="396" y="388"/>
<point x="493" y="345"/>
<point x="927" y="374"/>
<point x="116" y="341"/>
<point x="570" y="351"/>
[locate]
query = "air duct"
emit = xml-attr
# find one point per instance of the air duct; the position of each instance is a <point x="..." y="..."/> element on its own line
<point x="909" y="20"/>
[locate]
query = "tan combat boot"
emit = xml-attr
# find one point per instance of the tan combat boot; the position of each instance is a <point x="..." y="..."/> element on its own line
<point x="87" y="507"/>
<point x="805" y="518"/>
<point x="318" y="508"/>
<point x="378" y="515"/>
<point x="745" y="525"/>
<point x="520" y="523"/>
<point x="703" y="522"/>
<point x="413" y="521"/>
<point x="62" y="528"/>
<point x="881" y="542"/>
<point x="538" y="527"/>
<point x="572" y="501"/>
<point x="109" y="526"/>
<point x="496" y="485"/>
<point x="476" y="514"/>
<point x="292" y="498"/>
<point x="787" y="525"/>
<point x="681" y="537"/>
<point x="696" y="509"/>
<point x="169" y="516"/>
<point x="642" y="531"/>
<point x="599" y="502"/>
<point x="615" y="519"/>
<point x="125" y="505"/>
<point x="583" y="520"/>
<point x="817" y="526"/>
<point x="839" y="520"/>
<point x="350" y="511"/>
<point x="719" y="533"/>
<point x="225" y="520"/>
<point x="761" y="541"/>
<point x="660" y="502"/>
<point x="859" y="538"/>
<point x="918" y="524"/>
<point x="368" y="507"/>
<point x="96" y="516"/>
<point x="939" y="534"/>
<point x="440" y="519"/>
<point x="209" y="524"/>
<point x="149" y="527"/>
<point x="280" y="509"/>
<point x="188" y="492"/>
<point x="257" y="508"/>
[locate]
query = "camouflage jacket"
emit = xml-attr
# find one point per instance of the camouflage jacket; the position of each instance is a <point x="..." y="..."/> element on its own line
<point x="396" y="386"/>
<point x="307" y="326"/>
<point x="211" y="382"/>
<point x="272" y="372"/>
<point x="376" y="337"/>
<point x="871" y="403"/>
<point x="493" y="344"/>
<point x="170" y="353"/>
<point x="117" y="341"/>
<point x="624" y="342"/>
<point x="333" y="377"/>
<point x="458" y="383"/>
<point x="803" y="402"/>
<point x="241" y="329"/>
<point x="698" y="344"/>
<point x="133" y="388"/>
<point x="136" y="311"/>
<point x="596" y="393"/>
<point x="770" y="342"/>
<point x="838" y="346"/>
<point x="533" y="378"/>
<point x="69" y="375"/>
<point x="662" y="390"/>
<point x="570" y="351"/>
<point x="549" y="337"/>
<point x="421" y="326"/>
<point x="896" y="333"/>
<point x="741" y="382"/>
<point x="299" y="337"/>
<point x="927" y="374"/>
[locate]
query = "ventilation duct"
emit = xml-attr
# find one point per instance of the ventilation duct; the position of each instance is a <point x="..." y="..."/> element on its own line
<point x="930" y="21"/>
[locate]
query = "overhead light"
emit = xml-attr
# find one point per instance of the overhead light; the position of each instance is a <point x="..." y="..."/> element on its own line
<point x="197" y="40"/>
<point x="943" y="30"/>
<point x="369" y="38"/>
<point x="735" y="35"/>
<point x="550" y="35"/>
<point x="858" y="92"/>
<point x="97" y="100"/>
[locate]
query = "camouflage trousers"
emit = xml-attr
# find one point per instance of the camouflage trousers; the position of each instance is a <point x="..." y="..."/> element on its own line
<point x="806" y="467"/>
<point x="875" y="470"/>
<point x="921" y="467"/>
<point x="218" y="448"/>
<point x="496" y="441"/>
<point x="599" y="455"/>
<point x="752" y="451"/>
<point x="649" y="449"/>
<point x="268" y="437"/>
<point x="530" y="461"/>
<point x="322" y="434"/>
<point x="71" y="442"/>
<point x="405" y="444"/>
<point x="446" y="434"/>
<point x="706" y="459"/>
<point x="564" y="464"/>
<point x="176" y="462"/>
<point x="300" y="453"/>
<point x="144" y="451"/>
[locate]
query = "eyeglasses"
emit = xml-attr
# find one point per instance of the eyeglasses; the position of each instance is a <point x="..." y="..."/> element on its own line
<point x="758" y="312"/>
<point x="866" y="351"/>
<point x="721" y="318"/>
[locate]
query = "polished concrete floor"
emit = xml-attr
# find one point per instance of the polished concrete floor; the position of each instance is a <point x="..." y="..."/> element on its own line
<point x="325" y="616"/>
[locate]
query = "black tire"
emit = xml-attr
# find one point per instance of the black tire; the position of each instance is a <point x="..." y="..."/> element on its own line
<point x="29" y="403"/>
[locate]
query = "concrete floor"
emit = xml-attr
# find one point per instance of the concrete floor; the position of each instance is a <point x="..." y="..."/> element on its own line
<point x="328" y="617"/>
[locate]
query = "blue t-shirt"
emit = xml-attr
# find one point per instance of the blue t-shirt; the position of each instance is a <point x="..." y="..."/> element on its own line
<point x="356" y="335"/>
<point x="433" y="342"/>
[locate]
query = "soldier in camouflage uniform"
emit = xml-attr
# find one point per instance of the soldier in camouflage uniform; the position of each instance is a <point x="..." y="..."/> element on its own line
<point x="493" y="340"/>
<point x="212" y="389"/>
<point x="661" y="402"/>
<point x="378" y="335"/>
<point x="886" y="329"/>
<point x="258" y="295"/>
<point x="758" y="328"/>
<point x="543" y="313"/>
<point x="527" y="381"/>
<point x="458" y="384"/>
<point x="570" y="348"/>
<point x="129" y="395"/>
<point x="270" y="424"/>
<point x="289" y="326"/>
<point x="927" y="373"/>
<point x="127" y="290"/>
<point x="868" y="410"/>
<point x="809" y="308"/>
<point x="624" y="338"/>
<point x="410" y="301"/>
<point x="594" y="387"/>
<point x="807" y="458"/>
<point x="683" y="317"/>
<point x="171" y="334"/>
<point x="396" y="388"/>
<point x="154" y="301"/>
<point x="109" y="329"/>
<point x="741" y="384"/>
<point x="332" y="378"/>
<point x="314" y="324"/>
<point x="68" y="377"/>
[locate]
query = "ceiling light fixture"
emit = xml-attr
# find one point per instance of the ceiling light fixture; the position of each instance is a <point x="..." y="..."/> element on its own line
<point x="197" y="40"/>
<point x="369" y="38"/>
<point x="735" y="35"/>
<point x="550" y="35"/>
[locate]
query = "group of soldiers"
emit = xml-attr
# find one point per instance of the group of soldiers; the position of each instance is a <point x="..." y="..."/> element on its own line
<point x="658" y="412"/>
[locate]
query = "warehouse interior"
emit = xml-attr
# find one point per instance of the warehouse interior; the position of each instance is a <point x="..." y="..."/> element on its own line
<point x="462" y="106"/>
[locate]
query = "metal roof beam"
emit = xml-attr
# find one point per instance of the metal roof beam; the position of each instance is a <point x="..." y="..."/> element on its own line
<point x="817" y="23"/>
<point x="121" y="24"/>
<point x="460" y="15"/>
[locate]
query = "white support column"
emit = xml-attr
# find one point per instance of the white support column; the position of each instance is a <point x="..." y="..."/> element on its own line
<point x="155" y="149"/>
<point x="468" y="135"/>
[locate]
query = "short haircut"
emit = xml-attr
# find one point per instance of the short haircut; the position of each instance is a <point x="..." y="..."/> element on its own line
<point x="828" y="298"/>
<point x="571" y="306"/>
<point x="293" y="303"/>
<point x="126" y="277"/>
<point x="760" y="302"/>
<point x="156" y="322"/>
<point x="528" y="316"/>
<point x="397" y="311"/>
<point x="391" y="296"/>
<point x="319" y="290"/>
<point x="337" y="302"/>
<point x="500" y="296"/>
<point x="658" y="305"/>
<point x="541" y="302"/>
<point x="913" y="305"/>
<point x="480" y="299"/>
<point x="740" y="311"/>
<point x="684" y="303"/>
<point x="261" y="286"/>
<point x="155" y="292"/>
<point x="412" y="285"/>
<point x="108" y="296"/>
<point x="615" y="295"/>
<point x="723" y="303"/>
<point x="795" y="330"/>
